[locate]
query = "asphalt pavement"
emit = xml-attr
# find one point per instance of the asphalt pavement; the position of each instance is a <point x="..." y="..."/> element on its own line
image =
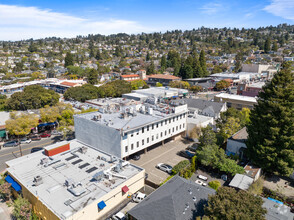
<point x="9" y="153"/>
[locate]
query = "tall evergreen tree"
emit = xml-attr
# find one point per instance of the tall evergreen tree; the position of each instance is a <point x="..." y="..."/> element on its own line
<point x="163" y="63"/>
<point x="275" y="46"/>
<point x="68" y="60"/>
<point x="267" y="45"/>
<point x="92" y="77"/>
<point x="202" y="62"/>
<point x="271" y="129"/>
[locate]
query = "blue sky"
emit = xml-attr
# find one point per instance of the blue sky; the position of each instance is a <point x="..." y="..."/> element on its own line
<point x="22" y="19"/>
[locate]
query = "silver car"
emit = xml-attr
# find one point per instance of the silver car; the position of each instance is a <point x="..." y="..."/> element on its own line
<point x="165" y="167"/>
<point x="25" y="141"/>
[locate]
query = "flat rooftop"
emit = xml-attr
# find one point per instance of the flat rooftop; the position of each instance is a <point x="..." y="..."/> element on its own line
<point x="256" y="85"/>
<point x="237" y="97"/>
<point x="68" y="182"/>
<point x="134" y="116"/>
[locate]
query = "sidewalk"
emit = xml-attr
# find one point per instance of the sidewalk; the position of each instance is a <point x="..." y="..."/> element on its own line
<point x="5" y="211"/>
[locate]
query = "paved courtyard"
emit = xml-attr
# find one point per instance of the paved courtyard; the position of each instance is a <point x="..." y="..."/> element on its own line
<point x="161" y="154"/>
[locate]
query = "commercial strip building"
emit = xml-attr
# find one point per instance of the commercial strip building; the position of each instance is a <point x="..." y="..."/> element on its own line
<point x="72" y="180"/>
<point x="164" y="79"/>
<point x="124" y="130"/>
<point x="251" y="90"/>
<point x="156" y="93"/>
<point x="236" y="101"/>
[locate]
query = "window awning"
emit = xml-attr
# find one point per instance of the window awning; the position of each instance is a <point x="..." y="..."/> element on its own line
<point x="16" y="186"/>
<point x="9" y="179"/>
<point x="101" y="205"/>
<point x="125" y="189"/>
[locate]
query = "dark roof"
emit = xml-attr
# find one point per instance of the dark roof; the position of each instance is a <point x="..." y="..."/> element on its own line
<point x="203" y="104"/>
<point x="241" y="135"/>
<point x="173" y="200"/>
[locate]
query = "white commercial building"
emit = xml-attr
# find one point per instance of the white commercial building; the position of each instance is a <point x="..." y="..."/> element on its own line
<point x="129" y="129"/>
<point x="72" y="180"/>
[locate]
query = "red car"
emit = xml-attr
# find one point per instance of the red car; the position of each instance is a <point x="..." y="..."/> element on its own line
<point x="44" y="135"/>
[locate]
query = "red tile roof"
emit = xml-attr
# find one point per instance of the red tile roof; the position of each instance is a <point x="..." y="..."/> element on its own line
<point x="68" y="83"/>
<point x="161" y="76"/>
<point x="128" y="76"/>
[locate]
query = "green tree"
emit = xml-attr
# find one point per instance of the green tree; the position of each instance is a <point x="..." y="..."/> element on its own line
<point x="32" y="97"/>
<point x="275" y="46"/>
<point x="158" y="84"/>
<point x="137" y="84"/>
<point x="22" y="209"/>
<point x="49" y="114"/>
<point x="202" y="61"/>
<point x="68" y="60"/>
<point x="256" y="188"/>
<point x="163" y="63"/>
<point x="270" y="141"/>
<point x="92" y="77"/>
<point x="21" y="124"/>
<point x="179" y="84"/>
<point x="3" y="99"/>
<point x="267" y="45"/>
<point x="207" y="137"/>
<point x="150" y="69"/>
<point x="238" y="66"/>
<point x="215" y="184"/>
<point x="223" y="84"/>
<point x="81" y="93"/>
<point x="230" y="204"/>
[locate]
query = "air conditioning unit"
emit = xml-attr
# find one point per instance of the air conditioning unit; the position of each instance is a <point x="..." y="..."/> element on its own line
<point x="37" y="180"/>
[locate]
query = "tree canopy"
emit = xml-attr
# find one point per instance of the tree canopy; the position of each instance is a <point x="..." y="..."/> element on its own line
<point x="32" y="97"/>
<point x="271" y="129"/>
<point x="230" y="204"/>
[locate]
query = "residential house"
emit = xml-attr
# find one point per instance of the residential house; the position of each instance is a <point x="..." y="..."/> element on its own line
<point x="236" y="101"/>
<point x="236" y="144"/>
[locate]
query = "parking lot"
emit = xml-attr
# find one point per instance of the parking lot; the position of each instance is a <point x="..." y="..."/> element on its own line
<point x="161" y="154"/>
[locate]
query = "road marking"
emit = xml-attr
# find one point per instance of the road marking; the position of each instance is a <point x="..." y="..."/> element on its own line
<point x="25" y="149"/>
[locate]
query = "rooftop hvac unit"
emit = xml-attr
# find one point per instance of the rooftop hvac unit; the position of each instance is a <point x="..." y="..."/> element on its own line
<point x="98" y="176"/>
<point x="83" y="149"/>
<point x="44" y="161"/>
<point x="117" y="168"/>
<point x="113" y="159"/>
<point x="37" y="180"/>
<point x="69" y="182"/>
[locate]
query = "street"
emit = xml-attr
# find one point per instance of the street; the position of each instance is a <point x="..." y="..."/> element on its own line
<point x="10" y="153"/>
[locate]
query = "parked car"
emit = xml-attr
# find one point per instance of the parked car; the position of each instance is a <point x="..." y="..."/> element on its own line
<point x="192" y="147"/>
<point x="25" y="141"/>
<point x="164" y="167"/>
<point x="11" y="144"/>
<point x="186" y="154"/>
<point x="45" y="135"/>
<point x="202" y="177"/>
<point x="135" y="157"/>
<point x="138" y="197"/>
<point x="35" y="138"/>
<point x="35" y="149"/>
<point x="119" y="216"/>
<point x="55" y="132"/>
<point x="200" y="183"/>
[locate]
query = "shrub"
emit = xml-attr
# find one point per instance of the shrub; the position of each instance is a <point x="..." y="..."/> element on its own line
<point x="180" y="166"/>
<point x="215" y="184"/>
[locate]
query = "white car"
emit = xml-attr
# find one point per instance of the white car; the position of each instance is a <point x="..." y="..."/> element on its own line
<point x="165" y="167"/>
<point x="202" y="177"/>
<point x="119" y="216"/>
<point x="199" y="182"/>
<point x="138" y="197"/>
<point x="25" y="141"/>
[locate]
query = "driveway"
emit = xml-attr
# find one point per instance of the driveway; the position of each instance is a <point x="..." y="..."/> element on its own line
<point x="161" y="154"/>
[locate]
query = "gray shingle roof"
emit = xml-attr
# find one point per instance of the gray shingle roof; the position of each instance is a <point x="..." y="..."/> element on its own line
<point x="173" y="200"/>
<point x="203" y="104"/>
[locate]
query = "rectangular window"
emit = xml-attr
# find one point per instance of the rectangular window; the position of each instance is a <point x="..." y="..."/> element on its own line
<point x="161" y="134"/>
<point x="165" y="132"/>
<point x="138" y="132"/>
<point x="180" y="127"/>
<point x="147" y="140"/>
<point x="169" y="131"/>
<point x="169" y="120"/>
<point x="137" y="143"/>
<point x="183" y="125"/>
<point x="157" y="136"/>
<point x="173" y="129"/>
<point x="152" y="138"/>
<point x="132" y="146"/>
<point x="162" y="123"/>
<point x="126" y="148"/>
<point x="157" y="125"/>
<point x="177" y="118"/>
<point x="165" y="121"/>
<point x="148" y="128"/>
<point x="142" y="142"/>
<point x="176" y="128"/>
<point x="173" y="119"/>
<point x="152" y="126"/>
<point x="142" y="130"/>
